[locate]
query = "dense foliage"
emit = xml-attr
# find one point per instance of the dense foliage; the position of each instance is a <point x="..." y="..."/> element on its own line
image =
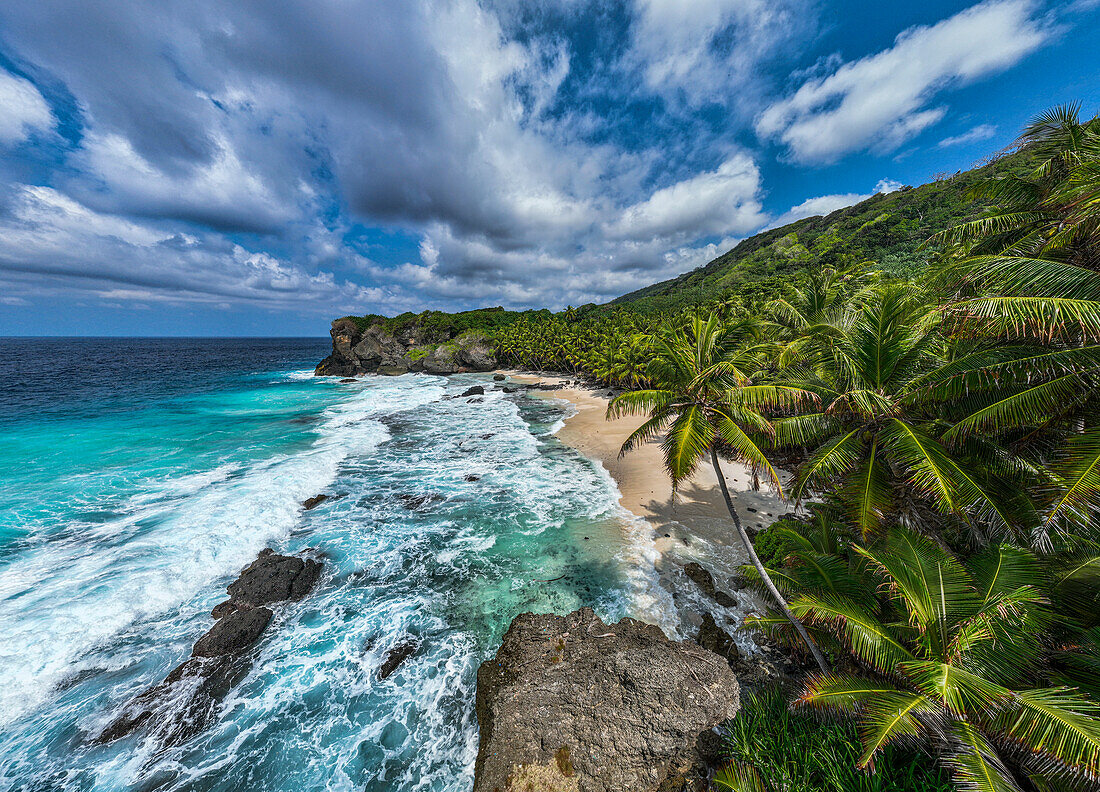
<point x="927" y="364"/>
<point x="797" y="752"/>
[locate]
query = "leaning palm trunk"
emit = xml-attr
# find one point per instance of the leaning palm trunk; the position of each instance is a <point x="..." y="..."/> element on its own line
<point x="782" y="603"/>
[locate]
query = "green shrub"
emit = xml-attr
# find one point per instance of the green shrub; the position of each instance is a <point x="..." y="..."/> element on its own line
<point x="772" y="546"/>
<point x="794" y="752"/>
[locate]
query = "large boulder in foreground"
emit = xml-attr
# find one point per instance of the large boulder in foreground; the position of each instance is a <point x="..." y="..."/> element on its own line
<point x="375" y="350"/>
<point x="571" y="703"/>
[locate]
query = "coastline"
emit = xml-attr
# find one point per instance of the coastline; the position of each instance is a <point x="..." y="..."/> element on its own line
<point x="690" y="525"/>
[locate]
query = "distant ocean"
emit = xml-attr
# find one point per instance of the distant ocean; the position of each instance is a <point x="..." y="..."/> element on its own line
<point x="138" y="476"/>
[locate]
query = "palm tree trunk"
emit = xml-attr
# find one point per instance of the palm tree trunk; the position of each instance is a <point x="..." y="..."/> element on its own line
<point x="782" y="603"/>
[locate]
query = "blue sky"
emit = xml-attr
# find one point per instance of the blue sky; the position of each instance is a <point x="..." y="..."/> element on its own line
<point x="197" y="167"/>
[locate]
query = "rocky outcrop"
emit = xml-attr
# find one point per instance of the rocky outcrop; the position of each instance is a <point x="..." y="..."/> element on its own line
<point x="702" y="578"/>
<point x="571" y="703"/>
<point x="356" y="350"/>
<point x="179" y="707"/>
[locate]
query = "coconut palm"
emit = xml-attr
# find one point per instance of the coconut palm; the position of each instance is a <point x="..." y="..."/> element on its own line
<point x="944" y="654"/>
<point x="875" y="442"/>
<point x="703" y="402"/>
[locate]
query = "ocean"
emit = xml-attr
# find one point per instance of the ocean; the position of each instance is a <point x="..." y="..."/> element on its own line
<point x="138" y="476"/>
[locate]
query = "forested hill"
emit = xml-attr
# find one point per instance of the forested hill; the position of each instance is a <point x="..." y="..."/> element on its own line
<point x="889" y="229"/>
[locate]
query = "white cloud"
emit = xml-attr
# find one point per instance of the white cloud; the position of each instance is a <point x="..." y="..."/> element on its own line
<point x="826" y="204"/>
<point x="980" y="132"/>
<point x="714" y="202"/>
<point x="22" y="109"/>
<point x="708" y="50"/>
<point x="880" y="101"/>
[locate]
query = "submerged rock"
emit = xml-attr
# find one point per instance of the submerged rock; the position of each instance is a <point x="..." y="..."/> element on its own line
<point x="316" y="500"/>
<point x="396" y="656"/>
<point x="189" y="697"/>
<point x="582" y="705"/>
<point x="713" y="638"/>
<point x="705" y="581"/>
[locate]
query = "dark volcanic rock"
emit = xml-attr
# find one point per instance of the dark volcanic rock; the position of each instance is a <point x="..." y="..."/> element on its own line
<point x="713" y="638"/>
<point x="179" y="707"/>
<point x="499" y="378"/>
<point x="233" y="633"/>
<point x="572" y="703"/>
<point x="396" y="656"/>
<point x="476" y="390"/>
<point x="316" y="500"/>
<point x="705" y="581"/>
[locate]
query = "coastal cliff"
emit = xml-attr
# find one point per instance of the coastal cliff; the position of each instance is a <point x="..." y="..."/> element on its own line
<point x="375" y="350"/>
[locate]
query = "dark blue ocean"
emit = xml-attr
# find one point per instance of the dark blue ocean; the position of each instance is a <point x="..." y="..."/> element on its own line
<point x="138" y="476"/>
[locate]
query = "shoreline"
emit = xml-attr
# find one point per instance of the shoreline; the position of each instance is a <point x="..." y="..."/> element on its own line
<point x="690" y="525"/>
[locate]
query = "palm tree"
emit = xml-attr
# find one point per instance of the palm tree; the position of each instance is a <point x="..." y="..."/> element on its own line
<point x="944" y="653"/>
<point x="703" y="401"/>
<point x="876" y="441"/>
<point x="814" y="315"/>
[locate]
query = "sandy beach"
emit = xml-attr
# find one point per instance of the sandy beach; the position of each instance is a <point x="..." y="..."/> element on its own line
<point x="691" y="524"/>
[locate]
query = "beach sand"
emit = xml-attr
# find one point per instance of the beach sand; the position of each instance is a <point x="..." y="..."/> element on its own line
<point x="690" y="525"/>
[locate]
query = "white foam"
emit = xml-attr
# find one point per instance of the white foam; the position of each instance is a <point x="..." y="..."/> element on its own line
<point x="80" y="594"/>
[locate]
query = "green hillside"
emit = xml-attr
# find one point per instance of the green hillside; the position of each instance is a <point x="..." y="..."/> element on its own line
<point x="889" y="229"/>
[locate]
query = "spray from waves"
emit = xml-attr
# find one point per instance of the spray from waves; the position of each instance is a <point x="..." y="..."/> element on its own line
<point x="174" y="541"/>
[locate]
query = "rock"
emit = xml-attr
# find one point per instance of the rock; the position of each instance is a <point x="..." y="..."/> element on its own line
<point x="714" y="639"/>
<point x="396" y="656"/>
<point x="475" y="400"/>
<point x="476" y="390"/>
<point x="510" y="390"/>
<point x="189" y="697"/>
<point x="499" y="378"/>
<point x="472" y="477"/>
<point x="705" y="581"/>
<point x="270" y="578"/>
<point x="575" y="704"/>
<point x="347" y="380"/>
<point x="233" y="633"/>
<point x="415" y="502"/>
<point x="315" y="501"/>
<point x="375" y="349"/>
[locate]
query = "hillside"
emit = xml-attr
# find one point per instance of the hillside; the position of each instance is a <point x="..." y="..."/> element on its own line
<point x="889" y="229"/>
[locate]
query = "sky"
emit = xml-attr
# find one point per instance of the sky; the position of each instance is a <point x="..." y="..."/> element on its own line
<point x="260" y="167"/>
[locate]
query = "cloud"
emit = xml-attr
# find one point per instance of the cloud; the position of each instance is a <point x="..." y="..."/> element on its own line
<point x="714" y="202"/>
<point x="826" y="204"/>
<point x="880" y="101"/>
<point x="698" y="50"/>
<point x="52" y="238"/>
<point x="22" y="109"/>
<point x="980" y="132"/>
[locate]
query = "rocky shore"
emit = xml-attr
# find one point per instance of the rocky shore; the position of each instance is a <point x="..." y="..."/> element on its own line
<point x="374" y="350"/>
<point x="179" y="707"/>
<point x="571" y="704"/>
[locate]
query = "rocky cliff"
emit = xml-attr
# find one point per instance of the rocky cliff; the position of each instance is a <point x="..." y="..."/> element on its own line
<point x="374" y="350"/>
<point x="570" y="704"/>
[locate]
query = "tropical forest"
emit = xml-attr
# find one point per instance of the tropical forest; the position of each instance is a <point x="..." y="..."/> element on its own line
<point x="919" y="374"/>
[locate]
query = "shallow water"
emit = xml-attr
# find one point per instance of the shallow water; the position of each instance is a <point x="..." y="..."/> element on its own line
<point x="138" y="477"/>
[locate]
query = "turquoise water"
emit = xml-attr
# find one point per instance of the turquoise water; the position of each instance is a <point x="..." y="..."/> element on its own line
<point x="138" y="477"/>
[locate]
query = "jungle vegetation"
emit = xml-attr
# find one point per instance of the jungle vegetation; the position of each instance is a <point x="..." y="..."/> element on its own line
<point x="926" y="365"/>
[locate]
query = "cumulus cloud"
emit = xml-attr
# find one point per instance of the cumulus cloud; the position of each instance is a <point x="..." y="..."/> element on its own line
<point x="880" y="101"/>
<point x="698" y="49"/>
<point x="22" y="109"/>
<point x="826" y="204"/>
<point x="49" y="235"/>
<point x="973" y="135"/>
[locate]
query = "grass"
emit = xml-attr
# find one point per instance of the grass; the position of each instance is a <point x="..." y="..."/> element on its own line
<point x="794" y="752"/>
